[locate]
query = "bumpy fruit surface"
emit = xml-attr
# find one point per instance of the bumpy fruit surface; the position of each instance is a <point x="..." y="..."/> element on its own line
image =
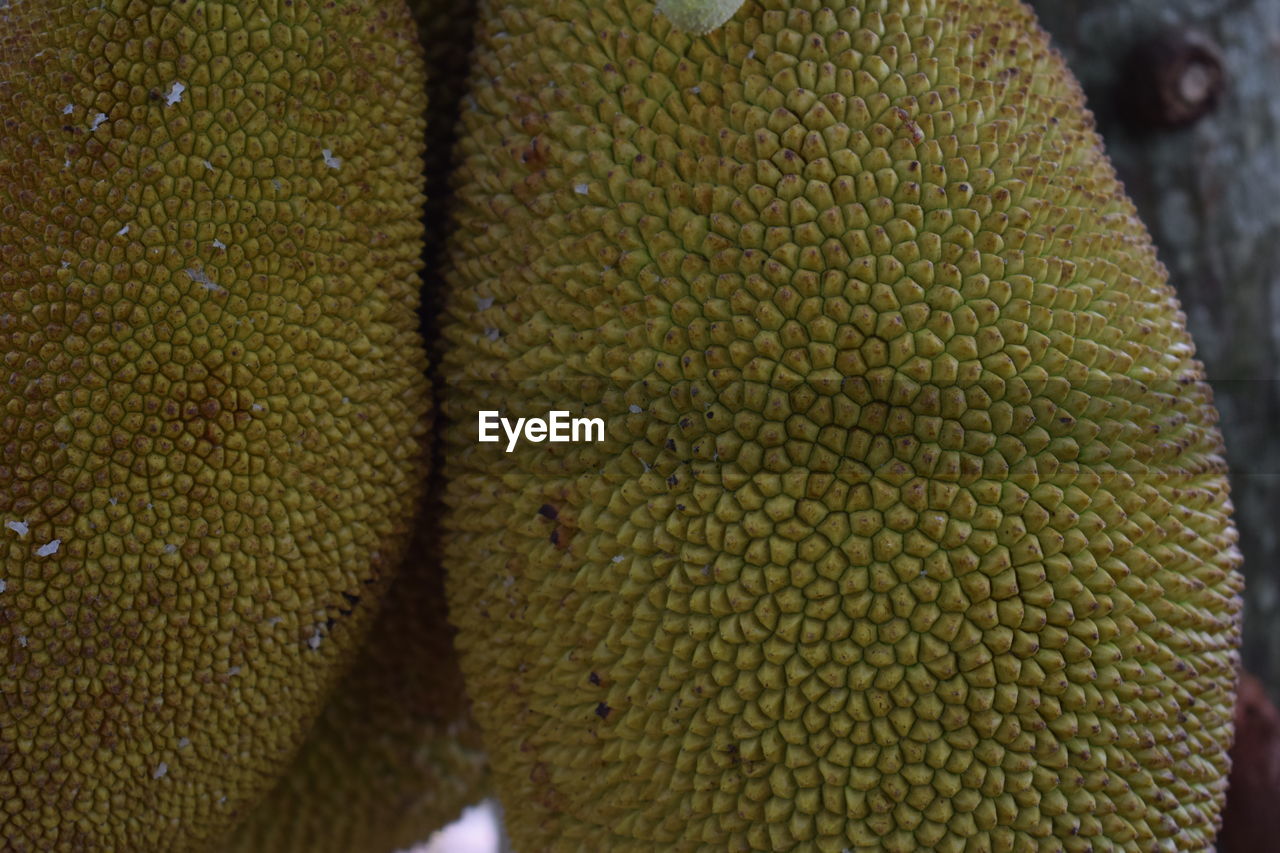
<point x="395" y="755"/>
<point x="211" y="395"/>
<point x="910" y="529"/>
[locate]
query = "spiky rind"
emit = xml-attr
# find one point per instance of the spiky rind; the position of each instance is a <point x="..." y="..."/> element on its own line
<point x="394" y="756"/>
<point x="212" y="400"/>
<point x="910" y="530"/>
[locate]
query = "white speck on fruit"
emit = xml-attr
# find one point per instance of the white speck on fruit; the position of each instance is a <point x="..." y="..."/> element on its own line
<point x="316" y="638"/>
<point x="183" y="742"/>
<point x="634" y="409"/>
<point x="68" y="109"/>
<point x="175" y="94"/>
<point x="170" y="548"/>
<point x="331" y="161"/>
<point x="218" y="244"/>
<point x="123" y="231"/>
<point x="18" y="527"/>
<point x="618" y="558"/>
<point x="484" y="303"/>
<point x="161" y="770"/>
<point x="49" y="548"/>
<point x="200" y="277"/>
<point x="581" y="189"/>
<point x="98" y="119"/>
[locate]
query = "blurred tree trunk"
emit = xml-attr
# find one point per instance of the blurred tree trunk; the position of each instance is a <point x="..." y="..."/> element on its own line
<point x="1210" y="193"/>
<point x="1251" y="823"/>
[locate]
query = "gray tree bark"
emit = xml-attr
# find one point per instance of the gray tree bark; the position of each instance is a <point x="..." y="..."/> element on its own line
<point x="1210" y="193"/>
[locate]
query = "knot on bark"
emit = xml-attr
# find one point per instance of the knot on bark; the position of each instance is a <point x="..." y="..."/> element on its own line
<point x="1172" y="79"/>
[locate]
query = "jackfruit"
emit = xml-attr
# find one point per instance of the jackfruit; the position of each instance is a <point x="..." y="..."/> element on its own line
<point x="394" y="756"/>
<point x="212" y="403"/>
<point x="910" y="528"/>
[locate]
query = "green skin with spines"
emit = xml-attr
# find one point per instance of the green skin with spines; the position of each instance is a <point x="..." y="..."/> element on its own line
<point x="213" y="399"/>
<point x="910" y="529"/>
<point x="394" y="755"/>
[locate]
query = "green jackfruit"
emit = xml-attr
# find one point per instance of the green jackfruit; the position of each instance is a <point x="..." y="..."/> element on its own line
<point x="212" y="405"/>
<point x="910" y="526"/>
<point x="394" y="756"/>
